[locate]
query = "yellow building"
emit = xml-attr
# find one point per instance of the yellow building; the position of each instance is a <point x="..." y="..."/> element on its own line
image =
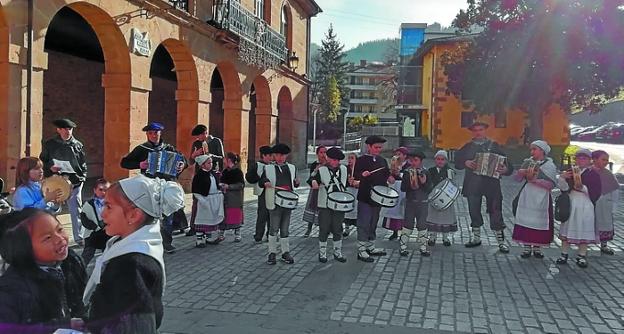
<point x="114" y="65"/>
<point x="445" y="117"/>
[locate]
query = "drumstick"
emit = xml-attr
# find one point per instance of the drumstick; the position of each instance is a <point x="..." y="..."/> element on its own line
<point x="281" y="188"/>
<point x="376" y="170"/>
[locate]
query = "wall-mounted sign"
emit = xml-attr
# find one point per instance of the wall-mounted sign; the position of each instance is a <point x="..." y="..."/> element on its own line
<point x="140" y="43"/>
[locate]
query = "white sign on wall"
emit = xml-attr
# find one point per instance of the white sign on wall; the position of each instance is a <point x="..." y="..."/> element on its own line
<point x="140" y="43"/>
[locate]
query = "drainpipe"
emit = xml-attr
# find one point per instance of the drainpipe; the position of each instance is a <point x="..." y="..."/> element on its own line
<point x="29" y="70"/>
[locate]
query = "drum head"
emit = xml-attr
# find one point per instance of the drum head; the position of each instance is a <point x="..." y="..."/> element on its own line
<point x="287" y="195"/>
<point x="57" y="182"/>
<point x="386" y="191"/>
<point x="341" y="197"/>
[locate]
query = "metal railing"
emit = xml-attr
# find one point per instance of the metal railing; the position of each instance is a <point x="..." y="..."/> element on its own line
<point x="180" y="4"/>
<point x="260" y="44"/>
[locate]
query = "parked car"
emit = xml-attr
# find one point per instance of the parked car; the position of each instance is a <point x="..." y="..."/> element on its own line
<point x="574" y="132"/>
<point x="616" y="135"/>
<point x="588" y="134"/>
<point x="604" y="131"/>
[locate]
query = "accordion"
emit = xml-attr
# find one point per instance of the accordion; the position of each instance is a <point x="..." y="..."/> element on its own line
<point x="487" y="164"/>
<point x="163" y="163"/>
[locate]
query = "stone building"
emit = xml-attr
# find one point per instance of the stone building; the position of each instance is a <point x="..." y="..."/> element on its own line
<point x="114" y="65"/>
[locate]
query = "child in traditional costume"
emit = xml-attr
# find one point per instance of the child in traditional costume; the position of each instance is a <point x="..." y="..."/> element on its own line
<point x="28" y="192"/>
<point x="534" y="221"/>
<point x="608" y="201"/>
<point x="280" y="176"/>
<point x="310" y="213"/>
<point x="232" y="185"/>
<point x="124" y="292"/>
<point x="332" y="177"/>
<point x="393" y="217"/>
<point x="444" y="221"/>
<point x="416" y="185"/>
<point x="352" y="185"/>
<point x="585" y="188"/>
<point x="253" y="176"/>
<point x="209" y="212"/>
<point x="92" y="230"/>
<point x="41" y="290"/>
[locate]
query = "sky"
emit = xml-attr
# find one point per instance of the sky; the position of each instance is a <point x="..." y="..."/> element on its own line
<point x="357" y="21"/>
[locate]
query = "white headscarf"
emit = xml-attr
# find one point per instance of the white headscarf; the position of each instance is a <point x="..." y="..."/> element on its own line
<point x="156" y="197"/>
<point x="542" y="145"/>
<point x="442" y="153"/>
<point x="200" y="159"/>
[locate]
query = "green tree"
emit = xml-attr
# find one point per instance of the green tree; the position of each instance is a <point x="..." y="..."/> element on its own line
<point x="330" y="69"/>
<point x="534" y="53"/>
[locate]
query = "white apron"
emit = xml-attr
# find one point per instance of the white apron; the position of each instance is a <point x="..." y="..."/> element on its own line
<point x="209" y="209"/>
<point x="580" y="228"/>
<point x="533" y="208"/>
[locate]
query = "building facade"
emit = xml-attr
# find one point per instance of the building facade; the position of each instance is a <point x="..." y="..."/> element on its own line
<point x="366" y="82"/>
<point x="114" y="65"/>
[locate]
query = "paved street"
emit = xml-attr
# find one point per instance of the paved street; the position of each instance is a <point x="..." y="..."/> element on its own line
<point x="230" y="289"/>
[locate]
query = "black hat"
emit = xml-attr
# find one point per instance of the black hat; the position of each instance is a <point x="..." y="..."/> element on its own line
<point x="418" y="154"/>
<point x="374" y="140"/>
<point x="198" y="130"/>
<point x="264" y="150"/>
<point x="335" y="153"/>
<point x="64" y="123"/>
<point x="478" y="123"/>
<point x="154" y="127"/>
<point x="280" y="149"/>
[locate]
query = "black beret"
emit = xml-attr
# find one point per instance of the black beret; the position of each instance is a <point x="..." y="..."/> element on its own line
<point x="478" y="123"/>
<point x="154" y="126"/>
<point x="64" y="123"/>
<point x="280" y="149"/>
<point x="375" y="140"/>
<point x="335" y="153"/>
<point x="198" y="130"/>
<point x="264" y="150"/>
<point x="418" y="154"/>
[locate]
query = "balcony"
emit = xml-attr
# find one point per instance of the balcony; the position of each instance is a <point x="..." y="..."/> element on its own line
<point x="258" y="44"/>
<point x="180" y="4"/>
<point x="362" y="87"/>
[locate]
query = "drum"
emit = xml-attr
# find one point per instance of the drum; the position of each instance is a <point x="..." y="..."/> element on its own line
<point x="384" y="196"/>
<point x="286" y="199"/>
<point x="57" y="182"/>
<point x="340" y="201"/>
<point x="443" y="195"/>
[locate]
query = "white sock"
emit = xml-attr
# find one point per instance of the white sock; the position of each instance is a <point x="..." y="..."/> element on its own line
<point x="404" y="238"/>
<point x="323" y="249"/>
<point x="338" y="248"/>
<point x="272" y="244"/>
<point x="284" y="245"/>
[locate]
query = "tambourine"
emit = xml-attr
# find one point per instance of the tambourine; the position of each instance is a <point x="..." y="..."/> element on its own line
<point x="57" y="182"/>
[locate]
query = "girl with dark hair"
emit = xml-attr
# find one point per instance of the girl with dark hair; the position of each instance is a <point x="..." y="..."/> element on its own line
<point x="608" y="201"/>
<point x="42" y="288"/>
<point x="232" y="185"/>
<point x="310" y="214"/>
<point x="124" y="292"/>
<point x="28" y="187"/>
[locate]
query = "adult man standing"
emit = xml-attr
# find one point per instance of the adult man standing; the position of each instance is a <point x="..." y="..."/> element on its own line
<point x="213" y="144"/>
<point x="137" y="159"/>
<point x="476" y="186"/>
<point x="65" y="155"/>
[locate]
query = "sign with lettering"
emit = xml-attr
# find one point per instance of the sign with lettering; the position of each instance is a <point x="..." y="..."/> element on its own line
<point x="140" y="43"/>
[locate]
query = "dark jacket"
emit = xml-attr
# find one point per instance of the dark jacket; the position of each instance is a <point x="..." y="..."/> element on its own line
<point x="479" y="185"/>
<point x="236" y="185"/>
<point x="71" y="150"/>
<point x="437" y="177"/>
<point x="423" y="190"/>
<point x="140" y="154"/>
<point x="129" y="296"/>
<point x="313" y="172"/>
<point x="379" y="178"/>
<point x="39" y="301"/>
<point x="215" y="147"/>
<point x="201" y="182"/>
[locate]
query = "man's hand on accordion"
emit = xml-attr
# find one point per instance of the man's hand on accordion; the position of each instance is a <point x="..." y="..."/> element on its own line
<point x="143" y="164"/>
<point x="471" y="164"/>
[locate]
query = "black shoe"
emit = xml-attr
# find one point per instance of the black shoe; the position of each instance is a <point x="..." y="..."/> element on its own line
<point x="525" y="254"/>
<point x="581" y="261"/>
<point x="169" y="249"/>
<point x="215" y="242"/>
<point x="472" y="244"/>
<point x="404" y="252"/>
<point x="378" y="253"/>
<point x="425" y="253"/>
<point x="190" y="233"/>
<point x="563" y="259"/>
<point x="446" y="243"/>
<point x="287" y="258"/>
<point x="307" y="233"/>
<point x="201" y="245"/>
<point x="431" y="242"/>
<point x="322" y="259"/>
<point x="503" y="248"/>
<point x="394" y="235"/>
<point x="607" y="250"/>
<point x="272" y="259"/>
<point x="365" y="259"/>
<point x="538" y="254"/>
<point x="340" y="258"/>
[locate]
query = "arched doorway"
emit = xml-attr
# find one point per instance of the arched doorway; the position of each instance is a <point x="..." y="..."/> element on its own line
<point x="71" y="44"/>
<point x="84" y="34"/>
<point x="216" y="118"/>
<point x="162" y="99"/>
<point x="174" y="74"/>
<point x="285" y="117"/>
<point x="262" y="121"/>
<point x="226" y="112"/>
<point x="5" y="158"/>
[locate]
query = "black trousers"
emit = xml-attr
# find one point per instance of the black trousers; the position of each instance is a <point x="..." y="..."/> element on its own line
<point x="494" y="205"/>
<point x="262" y="223"/>
<point x="330" y="221"/>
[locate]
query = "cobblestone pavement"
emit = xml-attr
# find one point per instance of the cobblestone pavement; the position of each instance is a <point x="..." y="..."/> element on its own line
<point x="229" y="288"/>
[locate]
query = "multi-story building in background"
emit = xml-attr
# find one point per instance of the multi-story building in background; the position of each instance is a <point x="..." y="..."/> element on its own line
<point x="238" y="66"/>
<point x="367" y="82"/>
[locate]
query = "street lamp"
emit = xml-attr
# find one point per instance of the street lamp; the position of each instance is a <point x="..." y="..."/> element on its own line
<point x="293" y="61"/>
<point x="344" y="130"/>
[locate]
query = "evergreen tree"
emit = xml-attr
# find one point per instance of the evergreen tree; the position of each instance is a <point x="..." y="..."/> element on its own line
<point x="330" y="69"/>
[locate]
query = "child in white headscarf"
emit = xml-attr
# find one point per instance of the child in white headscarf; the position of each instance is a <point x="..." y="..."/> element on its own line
<point x="441" y="221"/>
<point x="124" y="292"/>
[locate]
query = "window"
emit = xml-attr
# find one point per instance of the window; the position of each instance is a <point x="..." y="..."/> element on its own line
<point x="467" y="118"/>
<point x="500" y="119"/>
<point x="371" y="95"/>
<point x="285" y="26"/>
<point x="359" y="80"/>
<point x="260" y="9"/>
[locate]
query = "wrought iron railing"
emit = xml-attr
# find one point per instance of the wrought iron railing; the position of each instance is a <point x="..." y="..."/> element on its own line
<point x="180" y="4"/>
<point x="259" y="44"/>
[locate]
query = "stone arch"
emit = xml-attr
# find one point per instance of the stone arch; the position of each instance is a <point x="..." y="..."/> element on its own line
<point x="5" y="159"/>
<point x="234" y="138"/>
<point x="262" y="120"/>
<point x="116" y="80"/>
<point x="286" y="117"/>
<point x="187" y="90"/>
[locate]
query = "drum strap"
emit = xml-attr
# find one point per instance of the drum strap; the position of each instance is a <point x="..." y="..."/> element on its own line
<point x="335" y="180"/>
